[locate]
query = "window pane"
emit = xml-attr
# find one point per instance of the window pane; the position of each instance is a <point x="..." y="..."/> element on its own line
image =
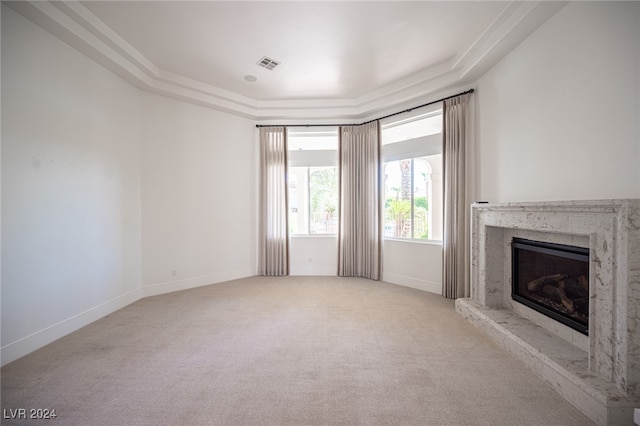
<point x="421" y="181"/>
<point x="413" y="198"/>
<point x="298" y="213"/>
<point x="323" y="200"/>
<point x="413" y="201"/>
<point x="434" y="195"/>
<point x="397" y="208"/>
<point x="313" y="183"/>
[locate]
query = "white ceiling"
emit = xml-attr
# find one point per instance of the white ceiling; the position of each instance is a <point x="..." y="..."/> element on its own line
<point x="326" y="49"/>
<point x="346" y="59"/>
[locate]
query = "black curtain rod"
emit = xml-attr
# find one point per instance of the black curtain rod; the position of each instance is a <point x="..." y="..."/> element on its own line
<point x="370" y="121"/>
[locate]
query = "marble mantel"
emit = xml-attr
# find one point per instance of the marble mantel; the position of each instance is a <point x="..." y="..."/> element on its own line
<point x="598" y="373"/>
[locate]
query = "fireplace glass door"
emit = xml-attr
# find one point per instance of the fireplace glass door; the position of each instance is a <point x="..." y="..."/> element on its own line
<point x="553" y="279"/>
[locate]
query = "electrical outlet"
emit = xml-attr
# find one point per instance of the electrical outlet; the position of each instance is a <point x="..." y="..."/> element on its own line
<point x="310" y="260"/>
<point x="174" y="273"/>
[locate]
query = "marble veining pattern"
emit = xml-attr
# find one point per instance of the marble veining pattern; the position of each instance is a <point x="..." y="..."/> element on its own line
<point x="612" y="229"/>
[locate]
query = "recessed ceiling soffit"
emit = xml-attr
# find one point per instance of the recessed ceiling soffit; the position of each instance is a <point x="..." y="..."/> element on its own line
<point x="77" y="26"/>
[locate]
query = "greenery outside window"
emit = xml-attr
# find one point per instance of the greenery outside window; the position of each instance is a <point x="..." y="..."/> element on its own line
<point x="407" y="189"/>
<point x="412" y="173"/>
<point x="313" y="200"/>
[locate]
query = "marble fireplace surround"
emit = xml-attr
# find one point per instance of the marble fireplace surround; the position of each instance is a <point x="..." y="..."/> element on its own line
<point x="599" y="374"/>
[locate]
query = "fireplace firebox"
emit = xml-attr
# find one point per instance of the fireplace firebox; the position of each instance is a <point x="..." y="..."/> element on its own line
<point x="552" y="279"/>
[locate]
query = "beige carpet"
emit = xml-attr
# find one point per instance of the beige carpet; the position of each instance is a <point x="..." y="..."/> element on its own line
<point x="283" y="351"/>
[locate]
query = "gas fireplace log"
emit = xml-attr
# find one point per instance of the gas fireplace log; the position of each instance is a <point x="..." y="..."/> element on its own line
<point x="535" y="284"/>
<point x="568" y="303"/>
<point x="549" y="291"/>
<point x="556" y="294"/>
<point x="574" y="288"/>
<point x="584" y="282"/>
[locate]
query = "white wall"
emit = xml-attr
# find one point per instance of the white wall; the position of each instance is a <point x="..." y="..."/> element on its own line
<point x="413" y="264"/>
<point x="408" y="263"/>
<point x="557" y="118"/>
<point x="106" y="191"/>
<point x="313" y="255"/>
<point x="198" y="195"/>
<point x="70" y="189"/>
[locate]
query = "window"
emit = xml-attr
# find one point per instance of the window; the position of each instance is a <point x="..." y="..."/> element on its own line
<point x="412" y="173"/>
<point x="313" y="180"/>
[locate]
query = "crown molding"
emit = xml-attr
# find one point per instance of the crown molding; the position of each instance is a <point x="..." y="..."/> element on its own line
<point x="74" y="24"/>
<point x="516" y="22"/>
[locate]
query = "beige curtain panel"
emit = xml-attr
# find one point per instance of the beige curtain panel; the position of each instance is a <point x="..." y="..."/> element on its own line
<point x="273" y="250"/>
<point x="359" y="233"/>
<point x="456" y="238"/>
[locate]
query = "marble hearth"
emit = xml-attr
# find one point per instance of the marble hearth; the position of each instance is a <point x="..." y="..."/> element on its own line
<point x="600" y="373"/>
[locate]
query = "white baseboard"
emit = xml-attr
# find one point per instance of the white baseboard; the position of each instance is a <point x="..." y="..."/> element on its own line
<point x="21" y="347"/>
<point x="37" y="340"/>
<point x="315" y="271"/>
<point x="430" y="286"/>
<point x="34" y="341"/>
<point x="171" y="286"/>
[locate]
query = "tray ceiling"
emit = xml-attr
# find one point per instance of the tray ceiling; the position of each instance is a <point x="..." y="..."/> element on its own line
<point x="335" y="59"/>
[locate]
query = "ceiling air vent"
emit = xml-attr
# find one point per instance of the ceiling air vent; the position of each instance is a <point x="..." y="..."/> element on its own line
<point x="268" y="63"/>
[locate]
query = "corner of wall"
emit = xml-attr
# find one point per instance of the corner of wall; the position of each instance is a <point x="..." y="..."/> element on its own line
<point x="34" y="341"/>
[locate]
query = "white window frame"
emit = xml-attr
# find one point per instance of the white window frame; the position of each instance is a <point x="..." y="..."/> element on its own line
<point x="413" y="148"/>
<point x="312" y="158"/>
